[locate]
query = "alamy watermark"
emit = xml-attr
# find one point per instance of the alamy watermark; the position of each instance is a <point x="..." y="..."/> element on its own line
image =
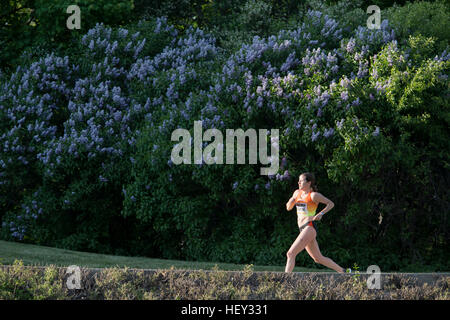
<point x="181" y="152"/>
<point x="374" y="280"/>
<point x="74" y="20"/>
<point x="74" y="280"/>
<point x="374" y="21"/>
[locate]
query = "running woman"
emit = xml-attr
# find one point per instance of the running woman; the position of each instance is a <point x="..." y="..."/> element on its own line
<point x="307" y="199"/>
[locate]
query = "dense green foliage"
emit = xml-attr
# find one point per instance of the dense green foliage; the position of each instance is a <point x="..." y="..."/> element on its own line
<point x="85" y="133"/>
<point x="429" y="19"/>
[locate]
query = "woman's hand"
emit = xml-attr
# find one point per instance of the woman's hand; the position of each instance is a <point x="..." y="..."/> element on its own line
<point x="318" y="216"/>
<point x="291" y="201"/>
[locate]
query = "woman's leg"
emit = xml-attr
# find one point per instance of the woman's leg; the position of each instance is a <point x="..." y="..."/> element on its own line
<point x="313" y="250"/>
<point x="307" y="235"/>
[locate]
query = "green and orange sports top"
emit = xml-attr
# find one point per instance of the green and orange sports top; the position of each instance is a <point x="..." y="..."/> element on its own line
<point x="306" y="206"/>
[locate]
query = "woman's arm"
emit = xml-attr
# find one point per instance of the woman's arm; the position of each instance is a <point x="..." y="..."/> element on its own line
<point x="319" y="198"/>
<point x="290" y="204"/>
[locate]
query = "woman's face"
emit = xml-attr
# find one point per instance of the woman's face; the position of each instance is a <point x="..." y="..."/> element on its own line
<point x="302" y="183"/>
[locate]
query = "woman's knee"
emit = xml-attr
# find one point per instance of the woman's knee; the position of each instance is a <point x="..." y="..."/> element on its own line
<point x="319" y="259"/>
<point x="291" y="254"/>
<point x="296" y="248"/>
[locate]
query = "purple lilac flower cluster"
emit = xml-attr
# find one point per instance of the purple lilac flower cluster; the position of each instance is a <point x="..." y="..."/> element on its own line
<point x="318" y="61"/>
<point x="29" y="103"/>
<point x="292" y="43"/>
<point x="30" y="211"/>
<point x="282" y="177"/>
<point x="329" y="28"/>
<point x="194" y="46"/>
<point x="374" y="38"/>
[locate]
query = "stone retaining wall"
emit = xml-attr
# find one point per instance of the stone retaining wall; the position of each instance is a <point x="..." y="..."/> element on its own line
<point x="117" y="283"/>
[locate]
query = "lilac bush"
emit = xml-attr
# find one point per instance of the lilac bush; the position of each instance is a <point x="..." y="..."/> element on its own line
<point x="65" y="122"/>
